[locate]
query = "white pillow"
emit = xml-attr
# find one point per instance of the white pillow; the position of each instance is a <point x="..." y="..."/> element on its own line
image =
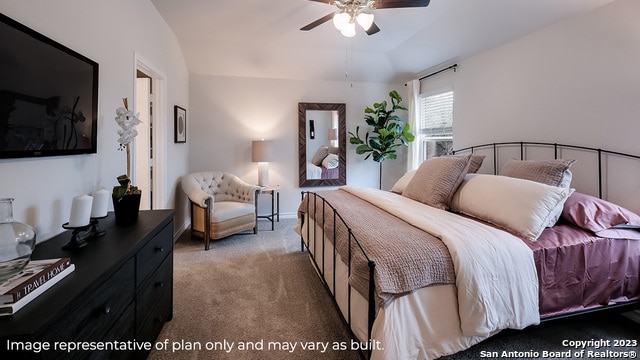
<point x="401" y="184"/>
<point x="522" y="207"/>
<point x="331" y="161"/>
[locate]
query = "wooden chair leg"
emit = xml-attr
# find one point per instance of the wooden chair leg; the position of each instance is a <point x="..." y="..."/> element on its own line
<point x="207" y="224"/>
<point x="255" y="196"/>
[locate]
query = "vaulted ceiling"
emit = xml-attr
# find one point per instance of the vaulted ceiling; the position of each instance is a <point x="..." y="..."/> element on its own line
<point x="261" y="38"/>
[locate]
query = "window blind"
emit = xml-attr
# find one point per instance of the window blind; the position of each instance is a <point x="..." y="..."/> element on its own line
<point x="436" y="115"/>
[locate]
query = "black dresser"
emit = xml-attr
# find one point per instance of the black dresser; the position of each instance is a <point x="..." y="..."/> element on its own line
<point x="114" y="303"/>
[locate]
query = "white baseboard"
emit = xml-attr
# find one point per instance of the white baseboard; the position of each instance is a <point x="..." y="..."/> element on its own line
<point x="181" y="230"/>
<point x="286" y="216"/>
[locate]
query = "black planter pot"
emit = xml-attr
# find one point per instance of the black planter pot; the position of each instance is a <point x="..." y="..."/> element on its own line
<point x="126" y="209"/>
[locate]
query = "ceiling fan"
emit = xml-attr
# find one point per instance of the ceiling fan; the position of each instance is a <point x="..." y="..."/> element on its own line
<point x="354" y="11"/>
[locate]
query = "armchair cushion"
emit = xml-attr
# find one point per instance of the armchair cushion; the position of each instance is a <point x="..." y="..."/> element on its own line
<point x="226" y="210"/>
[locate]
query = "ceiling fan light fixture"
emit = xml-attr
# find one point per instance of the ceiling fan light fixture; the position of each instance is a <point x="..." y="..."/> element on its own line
<point x="365" y="20"/>
<point x="349" y="30"/>
<point x="341" y="20"/>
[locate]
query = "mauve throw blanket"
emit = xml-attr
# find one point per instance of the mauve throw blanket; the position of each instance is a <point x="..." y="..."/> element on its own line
<point x="406" y="257"/>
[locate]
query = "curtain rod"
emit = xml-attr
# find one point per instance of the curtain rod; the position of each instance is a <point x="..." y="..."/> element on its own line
<point x="454" y="66"/>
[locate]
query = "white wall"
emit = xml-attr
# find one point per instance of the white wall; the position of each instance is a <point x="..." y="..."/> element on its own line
<point x="108" y="32"/>
<point x="576" y="82"/>
<point x="227" y="113"/>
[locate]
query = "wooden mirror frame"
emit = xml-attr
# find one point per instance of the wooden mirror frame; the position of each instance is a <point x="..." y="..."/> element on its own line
<point x="342" y="143"/>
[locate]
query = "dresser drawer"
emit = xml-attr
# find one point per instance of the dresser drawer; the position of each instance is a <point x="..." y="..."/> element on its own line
<point x="160" y="282"/>
<point x="157" y="316"/>
<point x="91" y="319"/>
<point x="123" y="330"/>
<point x="153" y="253"/>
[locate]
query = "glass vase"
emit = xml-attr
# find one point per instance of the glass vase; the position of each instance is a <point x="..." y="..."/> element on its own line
<point x="17" y="241"/>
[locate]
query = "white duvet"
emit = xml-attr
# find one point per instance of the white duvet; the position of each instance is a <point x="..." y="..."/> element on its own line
<point x="496" y="279"/>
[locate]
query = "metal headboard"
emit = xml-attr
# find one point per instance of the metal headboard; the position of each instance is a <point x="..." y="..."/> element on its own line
<point x="557" y="148"/>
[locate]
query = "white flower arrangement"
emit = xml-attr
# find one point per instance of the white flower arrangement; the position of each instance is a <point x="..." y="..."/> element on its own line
<point x="127" y="120"/>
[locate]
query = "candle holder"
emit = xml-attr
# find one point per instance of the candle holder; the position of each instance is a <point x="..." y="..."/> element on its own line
<point x="95" y="231"/>
<point x="76" y="241"/>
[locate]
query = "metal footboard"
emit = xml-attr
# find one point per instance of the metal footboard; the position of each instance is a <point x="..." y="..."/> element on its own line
<point x="316" y="240"/>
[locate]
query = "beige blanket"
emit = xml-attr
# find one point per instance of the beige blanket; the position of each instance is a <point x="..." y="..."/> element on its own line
<point x="496" y="277"/>
<point x="494" y="271"/>
<point x="406" y="258"/>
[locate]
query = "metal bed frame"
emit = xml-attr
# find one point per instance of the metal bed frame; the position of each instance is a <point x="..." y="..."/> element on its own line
<point x="312" y="235"/>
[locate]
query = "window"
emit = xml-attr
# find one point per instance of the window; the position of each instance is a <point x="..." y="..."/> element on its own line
<point x="436" y="124"/>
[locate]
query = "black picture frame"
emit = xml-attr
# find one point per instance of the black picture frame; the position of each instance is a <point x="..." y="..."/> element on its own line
<point x="180" y="124"/>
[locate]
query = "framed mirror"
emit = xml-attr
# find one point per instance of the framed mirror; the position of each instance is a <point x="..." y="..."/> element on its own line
<point x="322" y="146"/>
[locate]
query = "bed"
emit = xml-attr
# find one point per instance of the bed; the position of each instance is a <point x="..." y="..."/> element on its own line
<point x="321" y="172"/>
<point x="324" y="164"/>
<point x="454" y="253"/>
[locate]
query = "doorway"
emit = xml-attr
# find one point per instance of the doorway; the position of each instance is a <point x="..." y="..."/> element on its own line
<point x="149" y="151"/>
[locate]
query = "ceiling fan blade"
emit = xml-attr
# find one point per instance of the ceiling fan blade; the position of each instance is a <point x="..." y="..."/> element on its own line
<point x="373" y="29"/>
<point x="320" y="21"/>
<point x="389" y="4"/>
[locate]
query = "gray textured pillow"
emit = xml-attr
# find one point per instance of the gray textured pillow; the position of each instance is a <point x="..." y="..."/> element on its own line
<point x="550" y="172"/>
<point x="474" y="163"/>
<point x="437" y="179"/>
<point x="320" y="154"/>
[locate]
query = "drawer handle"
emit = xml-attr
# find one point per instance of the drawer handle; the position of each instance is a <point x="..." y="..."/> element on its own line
<point x="106" y="310"/>
<point x="160" y="284"/>
<point x="159" y="249"/>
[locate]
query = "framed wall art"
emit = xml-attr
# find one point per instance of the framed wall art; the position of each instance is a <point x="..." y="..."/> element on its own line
<point x="180" y="124"/>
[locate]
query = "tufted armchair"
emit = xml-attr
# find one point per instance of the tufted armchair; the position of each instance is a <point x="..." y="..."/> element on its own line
<point x="221" y="204"/>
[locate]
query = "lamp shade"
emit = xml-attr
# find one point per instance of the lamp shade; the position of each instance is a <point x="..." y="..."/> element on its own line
<point x="333" y="134"/>
<point x="262" y="151"/>
<point x="340" y="20"/>
<point x="365" y="20"/>
<point x="349" y="30"/>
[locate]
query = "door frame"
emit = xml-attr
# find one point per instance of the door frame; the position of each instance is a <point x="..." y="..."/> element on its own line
<point x="159" y="129"/>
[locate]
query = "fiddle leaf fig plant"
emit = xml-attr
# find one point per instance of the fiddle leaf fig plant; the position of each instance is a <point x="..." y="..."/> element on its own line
<point x="388" y="131"/>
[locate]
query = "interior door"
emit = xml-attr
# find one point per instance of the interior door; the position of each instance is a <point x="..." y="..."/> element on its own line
<point x="143" y="143"/>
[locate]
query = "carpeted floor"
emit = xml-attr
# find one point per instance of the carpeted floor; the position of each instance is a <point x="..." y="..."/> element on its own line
<point x="251" y="297"/>
<point x="248" y="297"/>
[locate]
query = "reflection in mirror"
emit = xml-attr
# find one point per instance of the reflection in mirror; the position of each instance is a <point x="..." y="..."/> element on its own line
<point x="322" y="144"/>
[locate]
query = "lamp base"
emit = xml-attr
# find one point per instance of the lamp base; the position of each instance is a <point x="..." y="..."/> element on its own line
<point x="263" y="174"/>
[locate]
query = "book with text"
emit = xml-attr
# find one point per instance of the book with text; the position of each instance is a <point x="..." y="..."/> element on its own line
<point x="10" y="309"/>
<point x="34" y="275"/>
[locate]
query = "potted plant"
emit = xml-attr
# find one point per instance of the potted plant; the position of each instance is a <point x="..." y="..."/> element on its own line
<point x="388" y="132"/>
<point x="126" y="197"/>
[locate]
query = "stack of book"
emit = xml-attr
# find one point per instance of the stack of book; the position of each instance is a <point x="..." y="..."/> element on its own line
<point x="36" y="278"/>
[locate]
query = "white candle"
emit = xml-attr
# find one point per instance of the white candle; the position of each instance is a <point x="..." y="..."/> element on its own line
<point x="80" y="211"/>
<point x="100" y="203"/>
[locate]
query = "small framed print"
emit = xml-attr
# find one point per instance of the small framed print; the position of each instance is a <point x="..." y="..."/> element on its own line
<point x="180" y="124"/>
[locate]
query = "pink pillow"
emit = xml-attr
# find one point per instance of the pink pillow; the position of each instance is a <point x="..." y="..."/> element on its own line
<point x="602" y="217"/>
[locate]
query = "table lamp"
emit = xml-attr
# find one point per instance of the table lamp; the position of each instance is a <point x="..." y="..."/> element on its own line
<point x="262" y="153"/>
